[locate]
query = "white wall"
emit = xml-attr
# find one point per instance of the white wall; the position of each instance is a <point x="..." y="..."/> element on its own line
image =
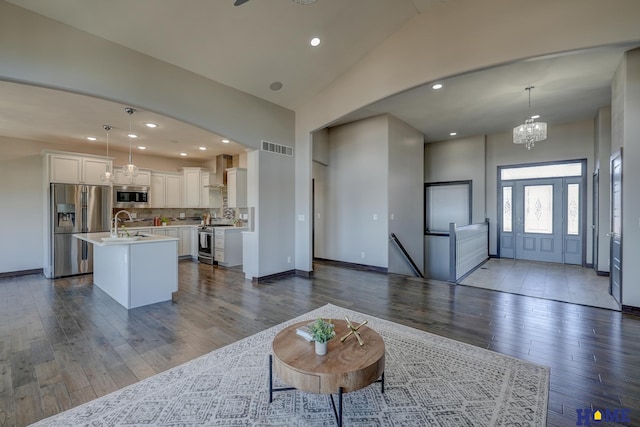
<point x="275" y="215"/>
<point x="319" y="174"/>
<point x="21" y="207"/>
<point x="459" y="160"/>
<point x="356" y="190"/>
<point x="565" y="142"/>
<point x="406" y="168"/>
<point x="626" y="134"/>
<point x="374" y="168"/>
<point x="602" y="154"/>
<point x="319" y="210"/>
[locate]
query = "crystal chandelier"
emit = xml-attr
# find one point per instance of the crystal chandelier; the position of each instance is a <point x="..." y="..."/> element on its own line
<point x="130" y="170"/>
<point x="107" y="176"/>
<point x="530" y="131"/>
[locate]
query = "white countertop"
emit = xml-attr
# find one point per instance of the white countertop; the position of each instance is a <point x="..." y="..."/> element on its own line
<point x="103" y="239"/>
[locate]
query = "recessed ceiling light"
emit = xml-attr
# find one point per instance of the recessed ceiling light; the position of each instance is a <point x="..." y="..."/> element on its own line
<point x="141" y="147"/>
<point x="453" y="133"/>
<point x="537" y="116"/>
<point x="132" y="135"/>
<point x="183" y="154"/>
<point x="275" y="86"/>
<point x="202" y="148"/>
<point x="92" y="138"/>
<point x="315" y="41"/>
<point x="437" y="86"/>
<point x="151" y="125"/>
<point x="225" y="141"/>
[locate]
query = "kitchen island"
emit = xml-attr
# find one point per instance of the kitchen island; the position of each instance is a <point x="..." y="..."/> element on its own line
<point x="134" y="271"/>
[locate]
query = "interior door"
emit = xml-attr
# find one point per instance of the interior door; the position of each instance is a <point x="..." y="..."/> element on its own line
<point x="615" y="278"/>
<point x="595" y="228"/>
<point x="538" y="220"/>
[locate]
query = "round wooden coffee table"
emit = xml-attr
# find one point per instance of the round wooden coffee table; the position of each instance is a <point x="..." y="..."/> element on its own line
<point x="346" y="367"/>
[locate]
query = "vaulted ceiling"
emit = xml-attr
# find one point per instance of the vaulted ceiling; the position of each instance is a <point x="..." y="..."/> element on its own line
<point x="262" y="42"/>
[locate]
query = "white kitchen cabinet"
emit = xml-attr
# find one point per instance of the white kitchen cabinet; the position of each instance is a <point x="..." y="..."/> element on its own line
<point x="192" y="187"/>
<point x="194" y="242"/>
<point x="166" y="231"/>
<point x="173" y="191"/>
<point x="165" y="190"/>
<point x="74" y="169"/>
<point x="228" y="245"/>
<point x="185" y="236"/>
<point x="156" y="190"/>
<point x="237" y="188"/>
<point x="142" y="179"/>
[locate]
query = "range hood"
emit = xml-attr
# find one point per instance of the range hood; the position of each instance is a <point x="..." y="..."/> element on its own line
<point x="223" y="162"/>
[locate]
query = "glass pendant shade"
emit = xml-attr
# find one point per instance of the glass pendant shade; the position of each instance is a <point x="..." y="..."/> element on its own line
<point x="107" y="177"/>
<point x="130" y="170"/>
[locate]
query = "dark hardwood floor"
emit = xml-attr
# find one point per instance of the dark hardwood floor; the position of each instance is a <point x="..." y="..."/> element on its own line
<point x="65" y="342"/>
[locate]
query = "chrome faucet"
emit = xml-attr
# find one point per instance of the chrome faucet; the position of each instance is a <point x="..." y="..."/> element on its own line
<point x="114" y="230"/>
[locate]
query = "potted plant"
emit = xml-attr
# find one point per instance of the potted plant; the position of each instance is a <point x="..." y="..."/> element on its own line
<point x="322" y="331"/>
<point x="164" y="220"/>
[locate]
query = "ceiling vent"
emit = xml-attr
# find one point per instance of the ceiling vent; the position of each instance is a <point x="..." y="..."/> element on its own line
<point x="272" y="147"/>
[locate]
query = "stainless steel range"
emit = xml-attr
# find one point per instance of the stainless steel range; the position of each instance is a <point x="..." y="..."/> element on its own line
<point x="206" y="245"/>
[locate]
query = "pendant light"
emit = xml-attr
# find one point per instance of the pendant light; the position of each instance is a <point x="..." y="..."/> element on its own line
<point x="130" y="170"/>
<point x="107" y="176"/>
<point x="530" y="131"/>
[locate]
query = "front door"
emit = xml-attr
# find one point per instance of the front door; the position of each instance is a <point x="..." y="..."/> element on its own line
<point x="542" y="217"/>
<point x="615" y="278"/>
<point x="538" y="220"/>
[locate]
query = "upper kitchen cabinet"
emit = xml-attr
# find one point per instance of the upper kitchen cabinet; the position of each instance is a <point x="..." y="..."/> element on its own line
<point x="237" y="188"/>
<point x="70" y="168"/>
<point x="165" y="190"/>
<point x="192" y="180"/>
<point x="173" y="191"/>
<point x="142" y="179"/>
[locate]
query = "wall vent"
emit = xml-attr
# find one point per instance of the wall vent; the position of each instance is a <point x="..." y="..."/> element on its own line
<point x="272" y="147"/>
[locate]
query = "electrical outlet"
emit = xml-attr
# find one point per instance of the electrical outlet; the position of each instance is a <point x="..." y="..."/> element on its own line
<point x="361" y="254"/>
<point x="392" y="217"/>
<point x="375" y="217"/>
<point x="288" y="260"/>
<point x="134" y="215"/>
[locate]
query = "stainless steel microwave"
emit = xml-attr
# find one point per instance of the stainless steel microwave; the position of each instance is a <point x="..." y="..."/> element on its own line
<point x="130" y="196"/>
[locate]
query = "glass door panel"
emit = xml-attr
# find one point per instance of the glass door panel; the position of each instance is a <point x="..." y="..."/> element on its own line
<point x="538" y="208"/>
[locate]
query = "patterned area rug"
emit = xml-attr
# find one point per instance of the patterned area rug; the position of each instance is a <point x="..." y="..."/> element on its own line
<point x="429" y="381"/>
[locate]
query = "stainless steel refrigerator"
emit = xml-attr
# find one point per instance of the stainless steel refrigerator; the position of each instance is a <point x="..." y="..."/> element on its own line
<point x="76" y="209"/>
